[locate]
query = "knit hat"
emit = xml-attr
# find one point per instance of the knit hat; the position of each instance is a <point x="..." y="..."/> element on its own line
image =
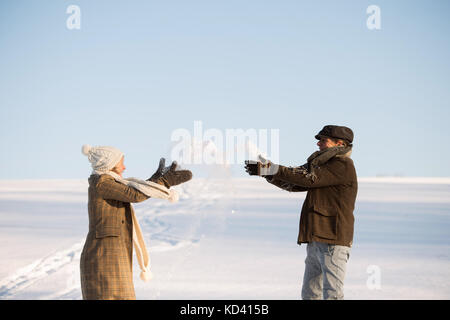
<point x="102" y="158"/>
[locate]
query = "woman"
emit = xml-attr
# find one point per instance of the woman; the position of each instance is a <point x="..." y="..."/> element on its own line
<point x="106" y="259"/>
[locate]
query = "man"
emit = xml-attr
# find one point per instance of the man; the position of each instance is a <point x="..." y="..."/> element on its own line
<point x="326" y="221"/>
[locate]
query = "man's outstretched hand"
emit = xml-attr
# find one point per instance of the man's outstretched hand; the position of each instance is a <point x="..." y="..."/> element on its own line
<point x="262" y="168"/>
<point x="252" y="167"/>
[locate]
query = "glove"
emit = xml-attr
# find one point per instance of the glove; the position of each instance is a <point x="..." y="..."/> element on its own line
<point x="159" y="172"/>
<point x="170" y="176"/>
<point x="252" y="167"/>
<point x="174" y="177"/>
<point x="263" y="167"/>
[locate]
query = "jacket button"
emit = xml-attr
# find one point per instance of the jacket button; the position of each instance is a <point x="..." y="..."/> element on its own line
<point x="123" y="221"/>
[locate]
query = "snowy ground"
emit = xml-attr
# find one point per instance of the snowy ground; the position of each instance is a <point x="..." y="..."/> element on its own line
<point x="230" y="239"/>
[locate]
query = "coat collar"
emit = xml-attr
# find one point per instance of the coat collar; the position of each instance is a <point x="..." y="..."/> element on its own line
<point x="320" y="157"/>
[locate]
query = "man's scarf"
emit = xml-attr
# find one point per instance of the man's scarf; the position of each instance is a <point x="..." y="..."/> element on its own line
<point x="319" y="158"/>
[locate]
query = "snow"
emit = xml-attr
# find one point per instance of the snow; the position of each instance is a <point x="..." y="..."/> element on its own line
<point x="230" y="238"/>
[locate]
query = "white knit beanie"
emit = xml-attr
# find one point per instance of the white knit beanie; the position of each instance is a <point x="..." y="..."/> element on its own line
<point x="102" y="158"/>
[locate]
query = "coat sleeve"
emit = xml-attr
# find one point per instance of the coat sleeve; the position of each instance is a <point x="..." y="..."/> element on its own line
<point x="285" y="185"/>
<point x="112" y="190"/>
<point x="329" y="174"/>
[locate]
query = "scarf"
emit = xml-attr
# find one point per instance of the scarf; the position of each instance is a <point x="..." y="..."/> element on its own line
<point x="153" y="190"/>
<point x="318" y="158"/>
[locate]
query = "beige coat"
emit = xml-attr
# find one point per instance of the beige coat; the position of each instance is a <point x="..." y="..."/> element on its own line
<point x="106" y="260"/>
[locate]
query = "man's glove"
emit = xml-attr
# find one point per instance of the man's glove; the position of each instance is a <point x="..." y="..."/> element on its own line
<point x="170" y="176"/>
<point x="263" y="167"/>
<point x="252" y="167"/>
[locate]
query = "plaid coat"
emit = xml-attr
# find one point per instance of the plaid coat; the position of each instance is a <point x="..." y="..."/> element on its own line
<point x="106" y="259"/>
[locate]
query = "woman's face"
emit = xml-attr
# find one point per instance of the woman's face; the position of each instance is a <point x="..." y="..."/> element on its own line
<point x="119" y="168"/>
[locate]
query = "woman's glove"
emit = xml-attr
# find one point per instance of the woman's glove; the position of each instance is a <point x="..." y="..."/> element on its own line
<point x="159" y="172"/>
<point x="170" y="176"/>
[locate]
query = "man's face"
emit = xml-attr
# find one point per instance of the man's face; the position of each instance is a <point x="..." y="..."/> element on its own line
<point x="325" y="143"/>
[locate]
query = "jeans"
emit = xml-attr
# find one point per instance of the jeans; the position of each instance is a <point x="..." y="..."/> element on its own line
<point x="325" y="266"/>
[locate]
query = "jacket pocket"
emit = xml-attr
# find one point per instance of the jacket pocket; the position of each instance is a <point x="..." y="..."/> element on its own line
<point x="324" y="223"/>
<point x="107" y="231"/>
<point x="109" y="225"/>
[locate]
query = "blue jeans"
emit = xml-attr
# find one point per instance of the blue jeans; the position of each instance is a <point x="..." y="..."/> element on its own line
<point x="325" y="266"/>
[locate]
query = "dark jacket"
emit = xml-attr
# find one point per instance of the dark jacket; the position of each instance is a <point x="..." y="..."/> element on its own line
<point x="330" y="179"/>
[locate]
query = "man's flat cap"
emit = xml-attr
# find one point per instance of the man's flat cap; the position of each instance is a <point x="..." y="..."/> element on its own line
<point x="337" y="132"/>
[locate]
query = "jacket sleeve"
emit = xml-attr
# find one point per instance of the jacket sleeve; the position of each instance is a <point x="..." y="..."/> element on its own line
<point x="329" y="174"/>
<point x="111" y="190"/>
<point x="285" y="185"/>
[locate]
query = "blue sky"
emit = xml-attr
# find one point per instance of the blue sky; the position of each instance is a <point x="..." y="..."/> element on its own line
<point x="138" y="70"/>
